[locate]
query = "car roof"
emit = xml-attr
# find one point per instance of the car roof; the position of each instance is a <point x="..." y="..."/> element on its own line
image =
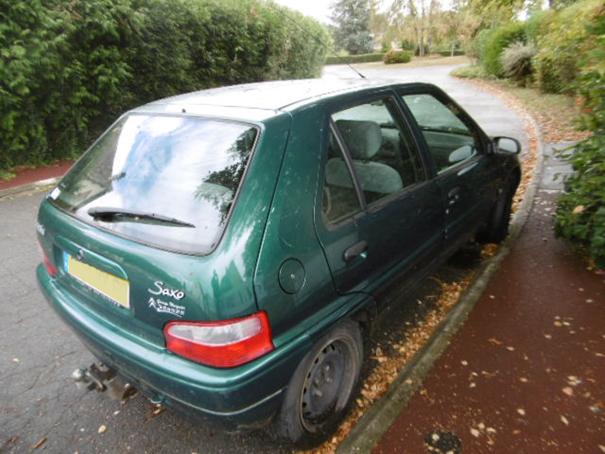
<point x="261" y="100"/>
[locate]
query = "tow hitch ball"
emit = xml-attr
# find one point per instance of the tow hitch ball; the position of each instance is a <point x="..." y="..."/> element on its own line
<point x="102" y="378"/>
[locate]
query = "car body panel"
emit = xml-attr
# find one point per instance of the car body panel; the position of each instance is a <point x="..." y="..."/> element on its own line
<point x="276" y="253"/>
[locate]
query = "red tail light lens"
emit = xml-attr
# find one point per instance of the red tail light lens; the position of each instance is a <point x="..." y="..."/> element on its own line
<point x="48" y="264"/>
<point x="225" y="343"/>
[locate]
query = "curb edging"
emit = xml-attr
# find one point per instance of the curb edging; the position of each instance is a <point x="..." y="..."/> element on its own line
<point x="378" y="419"/>
<point x="36" y="185"/>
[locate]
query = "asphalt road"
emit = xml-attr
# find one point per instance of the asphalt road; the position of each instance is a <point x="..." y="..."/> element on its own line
<point x="40" y="405"/>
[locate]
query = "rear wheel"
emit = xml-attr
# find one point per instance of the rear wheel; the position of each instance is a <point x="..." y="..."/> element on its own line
<point x="322" y="386"/>
<point x="496" y="229"/>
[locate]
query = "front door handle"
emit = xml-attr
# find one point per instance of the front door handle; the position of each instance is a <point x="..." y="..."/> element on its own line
<point x="453" y="196"/>
<point x="358" y="249"/>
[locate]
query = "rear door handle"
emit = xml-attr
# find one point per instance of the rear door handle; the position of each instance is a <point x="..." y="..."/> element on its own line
<point x="355" y="251"/>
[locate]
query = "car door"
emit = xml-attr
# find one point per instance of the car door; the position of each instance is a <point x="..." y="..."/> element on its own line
<point x="379" y="214"/>
<point x="458" y="150"/>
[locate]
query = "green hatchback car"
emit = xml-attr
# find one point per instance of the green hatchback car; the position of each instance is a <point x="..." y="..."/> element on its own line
<point x="224" y="251"/>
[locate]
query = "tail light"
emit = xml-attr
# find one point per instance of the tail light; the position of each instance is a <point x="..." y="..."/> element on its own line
<point x="225" y="343"/>
<point x="48" y="264"/>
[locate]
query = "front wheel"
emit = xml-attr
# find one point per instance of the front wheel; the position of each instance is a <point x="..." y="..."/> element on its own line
<point x="322" y="386"/>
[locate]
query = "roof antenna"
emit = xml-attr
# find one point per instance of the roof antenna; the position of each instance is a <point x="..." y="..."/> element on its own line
<point x="358" y="73"/>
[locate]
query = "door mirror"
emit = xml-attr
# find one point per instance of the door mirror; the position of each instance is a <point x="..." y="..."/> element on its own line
<point x="507" y="145"/>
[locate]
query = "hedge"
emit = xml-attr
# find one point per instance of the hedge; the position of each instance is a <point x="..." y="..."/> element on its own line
<point x="68" y="68"/>
<point x="360" y="58"/>
<point x="495" y="42"/>
<point x="563" y="37"/>
<point x="397" y="56"/>
<point x="448" y="53"/>
<point x="581" y="209"/>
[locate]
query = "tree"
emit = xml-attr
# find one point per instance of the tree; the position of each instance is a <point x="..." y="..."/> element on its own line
<point x="417" y="14"/>
<point x="352" y="31"/>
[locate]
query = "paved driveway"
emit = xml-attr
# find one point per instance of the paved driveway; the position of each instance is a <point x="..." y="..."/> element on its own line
<point x="39" y="402"/>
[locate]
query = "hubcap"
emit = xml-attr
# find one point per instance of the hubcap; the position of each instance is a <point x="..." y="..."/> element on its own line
<point x="326" y="385"/>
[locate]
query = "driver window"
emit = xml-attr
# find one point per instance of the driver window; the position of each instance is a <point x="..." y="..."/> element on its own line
<point x="449" y="139"/>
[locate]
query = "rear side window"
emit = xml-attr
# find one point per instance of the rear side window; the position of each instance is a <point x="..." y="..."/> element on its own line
<point x="339" y="197"/>
<point x="384" y="158"/>
<point x="166" y="181"/>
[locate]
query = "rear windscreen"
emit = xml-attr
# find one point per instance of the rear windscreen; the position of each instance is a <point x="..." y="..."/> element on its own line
<point x="166" y="181"/>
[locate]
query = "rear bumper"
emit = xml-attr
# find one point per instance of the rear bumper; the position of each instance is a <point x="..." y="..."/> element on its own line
<point x="246" y="396"/>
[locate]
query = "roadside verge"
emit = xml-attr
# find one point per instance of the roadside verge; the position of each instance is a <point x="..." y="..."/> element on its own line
<point x="34" y="179"/>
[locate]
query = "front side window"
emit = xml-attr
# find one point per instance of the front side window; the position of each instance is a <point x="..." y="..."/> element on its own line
<point x="382" y="154"/>
<point x="167" y="181"/>
<point x="450" y="141"/>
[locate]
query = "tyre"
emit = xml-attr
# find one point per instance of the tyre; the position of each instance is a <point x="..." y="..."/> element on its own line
<point x="496" y="229"/>
<point x="322" y="386"/>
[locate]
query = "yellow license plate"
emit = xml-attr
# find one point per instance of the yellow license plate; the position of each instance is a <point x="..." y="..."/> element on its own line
<point x="113" y="287"/>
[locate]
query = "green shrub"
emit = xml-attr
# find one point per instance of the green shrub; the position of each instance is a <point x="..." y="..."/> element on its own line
<point x="470" y="72"/>
<point x="67" y="69"/>
<point x="516" y="61"/>
<point x="397" y="56"/>
<point x="537" y="24"/>
<point x="563" y="39"/>
<point x="361" y="58"/>
<point x="580" y="213"/>
<point x="407" y="45"/>
<point x="448" y="53"/>
<point x="494" y="42"/>
<point x="474" y="48"/>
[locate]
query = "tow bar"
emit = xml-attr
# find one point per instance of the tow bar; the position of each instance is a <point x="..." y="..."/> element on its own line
<point x="102" y="378"/>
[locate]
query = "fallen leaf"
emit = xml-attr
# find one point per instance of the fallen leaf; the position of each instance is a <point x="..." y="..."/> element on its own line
<point x="474" y="432"/>
<point x="523" y="380"/>
<point x="464" y="363"/>
<point x="579" y="209"/>
<point x="602" y="448"/>
<point x="40" y="443"/>
<point x="494" y="341"/>
<point x="564" y="420"/>
<point x="510" y="349"/>
<point x="568" y="390"/>
<point x="102" y="429"/>
<point x="521" y="411"/>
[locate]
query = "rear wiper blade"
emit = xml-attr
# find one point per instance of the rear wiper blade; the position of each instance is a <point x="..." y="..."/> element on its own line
<point x="116" y="214"/>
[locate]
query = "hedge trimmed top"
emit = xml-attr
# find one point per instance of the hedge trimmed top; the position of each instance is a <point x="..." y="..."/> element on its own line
<point x="69" y="68"/>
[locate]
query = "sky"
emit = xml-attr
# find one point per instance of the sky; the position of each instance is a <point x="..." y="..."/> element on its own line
<point x="319" y="9"/>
